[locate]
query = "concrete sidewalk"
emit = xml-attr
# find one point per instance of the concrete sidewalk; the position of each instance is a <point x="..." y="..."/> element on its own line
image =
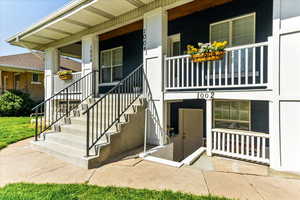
<point x="19" y="163"/>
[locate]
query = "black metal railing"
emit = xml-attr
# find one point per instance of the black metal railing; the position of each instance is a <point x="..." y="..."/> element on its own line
<point x="107" y="111"/>
<point x="62" y="103"/>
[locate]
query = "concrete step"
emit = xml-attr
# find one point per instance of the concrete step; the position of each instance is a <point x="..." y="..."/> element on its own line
<point x="64" y="152"/>
<point x="80" y="130"/>
<point x="114" y="101"/>
<point x="78" y="142"/>
<point x="82" y="120"/>
<point x="69" y="144"/>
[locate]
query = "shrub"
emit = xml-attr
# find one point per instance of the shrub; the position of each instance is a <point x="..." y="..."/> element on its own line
<point x="15" y="103"/>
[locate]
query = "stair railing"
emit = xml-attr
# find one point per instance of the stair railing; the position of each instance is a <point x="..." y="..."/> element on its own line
<point x="107" y="111"/>
<point x="152" y="114"/>
<point x="62" y="103"/>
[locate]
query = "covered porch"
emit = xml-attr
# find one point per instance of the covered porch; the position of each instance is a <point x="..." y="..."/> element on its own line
<point x="114" y="44"/>
<point x="116" y="51"/>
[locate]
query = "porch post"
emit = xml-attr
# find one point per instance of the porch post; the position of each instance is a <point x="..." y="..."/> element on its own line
<point x="286" y="96"/>
<point x="51" y="67"/>
<point x="275" y="154"/>
<point x="209" y="127"/>
<point x="90" y="62"/>
<point x="155" y="47"/>
<point x="275" y="151"/>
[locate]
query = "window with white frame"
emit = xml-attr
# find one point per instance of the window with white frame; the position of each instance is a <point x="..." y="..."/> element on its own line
<point x="237" y="31"/>
<point x="174" y="46"/>
<point x="232" y="114"/>
<point x="112" y="65"/>
<point x="35" y="77"/>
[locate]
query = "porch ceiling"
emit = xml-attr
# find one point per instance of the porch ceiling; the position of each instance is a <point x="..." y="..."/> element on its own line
<point x="82" y="17"/>
<point x="75" y="17"/>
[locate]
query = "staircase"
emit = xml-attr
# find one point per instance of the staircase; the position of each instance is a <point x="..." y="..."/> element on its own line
<point x="95" y="130"/>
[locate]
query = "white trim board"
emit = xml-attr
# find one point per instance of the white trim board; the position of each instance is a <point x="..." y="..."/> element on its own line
<point x="194" y="156"/>
<point x="163" y="161"/>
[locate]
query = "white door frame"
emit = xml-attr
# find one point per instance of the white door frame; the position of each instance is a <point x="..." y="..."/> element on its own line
<point x="172" y="39"/>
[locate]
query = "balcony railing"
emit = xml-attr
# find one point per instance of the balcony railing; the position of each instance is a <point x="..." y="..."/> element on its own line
<point x="241" y="144"/>
<point x="242" y="67"/>
<point x="61" y="84"/>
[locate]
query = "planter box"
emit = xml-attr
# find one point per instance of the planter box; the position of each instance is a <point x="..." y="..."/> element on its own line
<point x="66" y="76"/>
<point x="210" y="56"/>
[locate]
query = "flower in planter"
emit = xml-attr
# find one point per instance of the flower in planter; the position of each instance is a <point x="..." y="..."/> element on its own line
<point x="65" y="75"/>
<point x="65" y="72"/>
<point x="207" y="52"/>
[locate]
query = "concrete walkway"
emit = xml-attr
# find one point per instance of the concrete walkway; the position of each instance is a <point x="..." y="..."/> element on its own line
<point x="19" y="163"/>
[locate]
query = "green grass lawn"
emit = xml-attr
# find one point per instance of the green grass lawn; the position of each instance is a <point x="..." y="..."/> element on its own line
<point x="13" y="129"/>
<point x="24" y="191"/>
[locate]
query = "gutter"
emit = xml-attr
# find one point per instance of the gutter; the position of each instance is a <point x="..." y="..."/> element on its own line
<point x="5" y="66"/>
<point x="73" y="5"/>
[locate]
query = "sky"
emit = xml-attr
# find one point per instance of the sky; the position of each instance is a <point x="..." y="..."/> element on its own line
<point x="17" y="15"/>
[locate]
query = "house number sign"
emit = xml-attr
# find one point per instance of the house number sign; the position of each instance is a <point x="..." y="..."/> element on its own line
<point x="205" y="95"/>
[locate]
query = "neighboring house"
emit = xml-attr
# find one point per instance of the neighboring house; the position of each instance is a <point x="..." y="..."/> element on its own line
<point x="25" y="72"/>
<point x="245" y="106"/>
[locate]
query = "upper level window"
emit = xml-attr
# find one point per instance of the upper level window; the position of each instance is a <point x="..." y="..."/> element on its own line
<point x="174" y="45"/>
<point x="237" y="31"/>
<point x="232" y="114"/>
<point x="111" y="65"/>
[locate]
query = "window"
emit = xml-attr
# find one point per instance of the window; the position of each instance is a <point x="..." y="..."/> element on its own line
<point x="174" y="46"/>
<point x="35" y="78"/>
<point x="232" y="114"/>
<point x="111" y="65"/>
<point x="17" y="81"/>
<point x="237" y="31"/>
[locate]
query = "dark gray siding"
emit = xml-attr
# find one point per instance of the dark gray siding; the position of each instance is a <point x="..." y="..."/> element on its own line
<point x="194" y="28"/>
<point x="260" y="116"/>
<point x="132" y="51"/>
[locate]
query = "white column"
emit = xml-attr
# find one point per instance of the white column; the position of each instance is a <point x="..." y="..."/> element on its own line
<point x="155" y="34"/>
<point x="275" y="155"/>
<point x="273" y="67"/>
<point x="51" y="67"/>
<point x="209" y="127"/>
<point x="286" y="95"/>
<point x="90" y="62"/>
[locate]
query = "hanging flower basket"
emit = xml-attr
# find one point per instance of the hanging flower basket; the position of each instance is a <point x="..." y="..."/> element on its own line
<point x="65" y="75"/>
<point x="211" y="56"/>
<point x="207" y="52"/>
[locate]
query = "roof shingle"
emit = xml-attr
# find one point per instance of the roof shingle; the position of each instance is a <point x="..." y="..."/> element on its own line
<point x="29" y="60"/>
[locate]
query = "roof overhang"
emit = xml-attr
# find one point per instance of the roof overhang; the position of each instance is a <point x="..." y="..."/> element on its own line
<point x="82" y="17"/>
